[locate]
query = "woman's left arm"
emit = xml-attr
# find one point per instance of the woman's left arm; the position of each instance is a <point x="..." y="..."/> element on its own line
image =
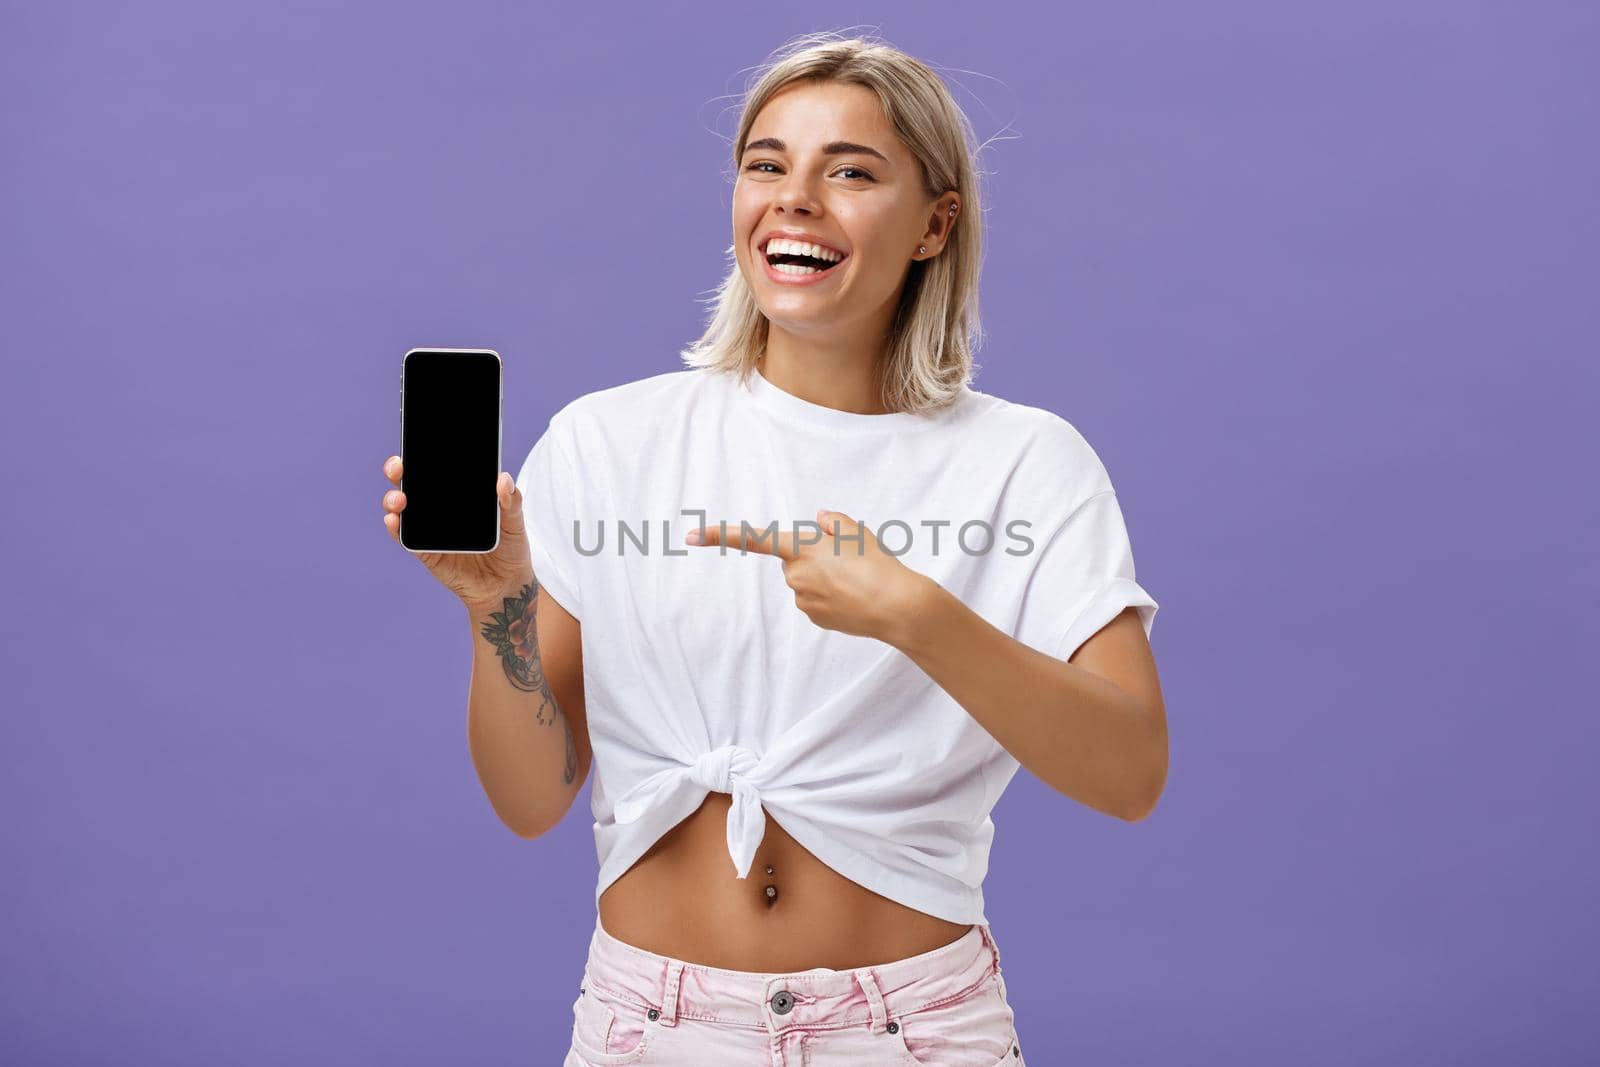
<point x="1094" y="728"/>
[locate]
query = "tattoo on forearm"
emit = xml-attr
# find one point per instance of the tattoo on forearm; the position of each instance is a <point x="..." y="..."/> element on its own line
<point x="516" y="641"/>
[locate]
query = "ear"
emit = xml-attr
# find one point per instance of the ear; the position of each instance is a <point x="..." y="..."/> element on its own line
<point x="941" y="221"/>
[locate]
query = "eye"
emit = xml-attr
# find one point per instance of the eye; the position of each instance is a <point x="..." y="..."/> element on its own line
<point x="758" y="164"/>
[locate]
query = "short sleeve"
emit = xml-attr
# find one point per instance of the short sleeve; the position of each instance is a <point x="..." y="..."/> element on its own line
<point x="1083" y="579"/>
<point x="549" y="512"/>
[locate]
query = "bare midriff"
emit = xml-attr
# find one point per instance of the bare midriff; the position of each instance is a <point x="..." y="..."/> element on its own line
<point x="684" y="899"/>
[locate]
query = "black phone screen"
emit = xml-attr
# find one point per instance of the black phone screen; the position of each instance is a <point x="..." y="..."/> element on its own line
<point x="450" y="449"/>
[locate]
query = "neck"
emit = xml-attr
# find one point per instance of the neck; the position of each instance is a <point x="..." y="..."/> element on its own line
<point x="823" y="371"/>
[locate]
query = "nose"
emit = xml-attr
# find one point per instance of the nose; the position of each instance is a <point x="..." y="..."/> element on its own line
<point x="794" y="195"/>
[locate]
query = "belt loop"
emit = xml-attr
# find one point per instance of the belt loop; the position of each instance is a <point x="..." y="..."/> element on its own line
<point x="994" y="947"/>
<point x="669" y="996"/>
<point x="869" y="985"/>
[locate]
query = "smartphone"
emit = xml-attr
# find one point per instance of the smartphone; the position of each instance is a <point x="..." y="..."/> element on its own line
<point x="450" y="406"/>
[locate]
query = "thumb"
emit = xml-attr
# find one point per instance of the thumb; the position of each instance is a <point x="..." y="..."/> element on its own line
<point x="827" y="519"/>
<point x="511" y="501"/>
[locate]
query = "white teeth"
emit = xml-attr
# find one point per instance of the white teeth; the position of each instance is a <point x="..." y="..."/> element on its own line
<point x="794" y="268"/>
<point x="783" y="246"/>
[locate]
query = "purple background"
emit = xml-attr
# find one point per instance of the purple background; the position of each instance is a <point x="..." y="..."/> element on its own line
<point x="1315" y="280"/>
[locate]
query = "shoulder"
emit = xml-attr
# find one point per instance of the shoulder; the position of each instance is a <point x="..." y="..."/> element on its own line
<point x="1044" y="445"/>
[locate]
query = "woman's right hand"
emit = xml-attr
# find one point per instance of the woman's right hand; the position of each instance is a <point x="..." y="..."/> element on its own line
<point x="475" y="577"/>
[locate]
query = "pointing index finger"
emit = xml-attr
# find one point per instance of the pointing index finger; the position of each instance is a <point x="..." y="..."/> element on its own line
<point x="766" y="540"/>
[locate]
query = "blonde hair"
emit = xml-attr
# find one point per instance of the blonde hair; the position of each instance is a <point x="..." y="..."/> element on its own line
<point x="929" y="354"/>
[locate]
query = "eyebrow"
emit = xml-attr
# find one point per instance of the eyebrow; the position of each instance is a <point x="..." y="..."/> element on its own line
<point x="832" y="148"/>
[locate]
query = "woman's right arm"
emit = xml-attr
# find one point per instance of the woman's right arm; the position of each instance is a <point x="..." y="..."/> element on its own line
<point x="526" y="727"/>
<point x="525" y="717"/>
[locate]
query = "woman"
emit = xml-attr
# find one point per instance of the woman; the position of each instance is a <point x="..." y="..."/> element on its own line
<point x="892" y="588"/>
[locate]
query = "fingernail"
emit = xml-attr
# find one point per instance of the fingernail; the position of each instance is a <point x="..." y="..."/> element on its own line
<point x="692" y="537"/>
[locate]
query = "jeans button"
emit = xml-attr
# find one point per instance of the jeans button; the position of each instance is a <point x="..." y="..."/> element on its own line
<point x="893" y="1028"/>
<point x="782" y="1001"/>
<point x="654" y="1014"/>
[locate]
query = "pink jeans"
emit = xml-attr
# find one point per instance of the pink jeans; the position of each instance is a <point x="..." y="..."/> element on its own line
<point x="946" y="1007"/>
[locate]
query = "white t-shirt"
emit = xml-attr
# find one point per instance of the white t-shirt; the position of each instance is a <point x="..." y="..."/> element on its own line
<point x="701" y="674"/>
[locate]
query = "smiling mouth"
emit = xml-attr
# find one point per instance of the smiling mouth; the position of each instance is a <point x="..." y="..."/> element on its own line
<point x="800" y="265"/>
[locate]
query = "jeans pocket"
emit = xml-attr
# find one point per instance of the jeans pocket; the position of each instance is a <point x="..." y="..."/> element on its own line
<point x="974" y="1030"/>
<point x="608" y="1031"/>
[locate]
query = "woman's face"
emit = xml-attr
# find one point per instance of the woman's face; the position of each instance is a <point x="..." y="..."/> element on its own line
<point x="822" y="160"/>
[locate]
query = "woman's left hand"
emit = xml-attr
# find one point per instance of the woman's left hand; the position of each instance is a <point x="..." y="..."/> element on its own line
<point x="843" y="580"/>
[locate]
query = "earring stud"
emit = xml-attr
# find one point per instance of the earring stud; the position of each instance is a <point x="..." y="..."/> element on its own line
<point x="924" y="248"/>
